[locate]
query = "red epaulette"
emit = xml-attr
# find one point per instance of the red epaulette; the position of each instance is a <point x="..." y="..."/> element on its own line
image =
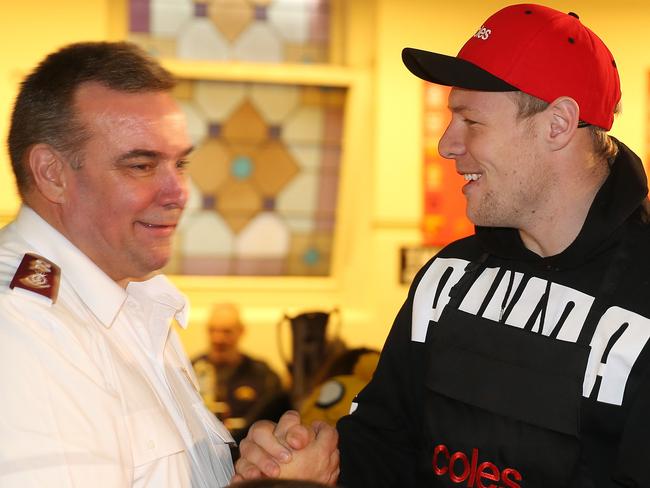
<point x="37" y="275"/>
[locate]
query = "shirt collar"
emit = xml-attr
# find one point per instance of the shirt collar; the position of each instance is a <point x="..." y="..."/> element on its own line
<point x="159" y="289"/>
<point x="95" y="288"/>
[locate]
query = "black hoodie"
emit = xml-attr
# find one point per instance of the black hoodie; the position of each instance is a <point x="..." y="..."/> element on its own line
<point x="507" y="369"/>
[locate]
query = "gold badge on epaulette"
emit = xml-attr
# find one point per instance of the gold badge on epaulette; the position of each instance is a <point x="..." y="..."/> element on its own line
<point x="37" y="275"/>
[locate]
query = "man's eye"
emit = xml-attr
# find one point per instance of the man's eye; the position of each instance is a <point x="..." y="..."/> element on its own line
<point x="141" y="167"/>
<point x="182" y="164"/>
<point x="470" y="122"/>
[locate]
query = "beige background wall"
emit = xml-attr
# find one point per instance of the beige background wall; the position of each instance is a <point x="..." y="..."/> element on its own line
<point x="381" y="191"/>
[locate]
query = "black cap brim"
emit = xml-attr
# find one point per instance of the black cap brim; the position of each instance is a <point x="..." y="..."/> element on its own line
<point x="451" y="71"/>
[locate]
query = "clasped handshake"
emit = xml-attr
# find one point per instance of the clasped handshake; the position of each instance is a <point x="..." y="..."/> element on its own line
<point x="289" y="450"/>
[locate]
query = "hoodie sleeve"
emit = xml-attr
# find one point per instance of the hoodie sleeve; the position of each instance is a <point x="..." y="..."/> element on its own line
<point x="378" y="441"/>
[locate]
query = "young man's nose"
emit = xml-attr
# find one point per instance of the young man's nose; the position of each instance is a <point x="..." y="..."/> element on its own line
<point x="451" y="145"/>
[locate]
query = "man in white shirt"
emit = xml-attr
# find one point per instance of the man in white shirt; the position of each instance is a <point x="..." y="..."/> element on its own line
<point x="96" y="390"/>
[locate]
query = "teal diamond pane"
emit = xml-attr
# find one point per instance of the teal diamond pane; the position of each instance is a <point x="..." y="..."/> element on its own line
<point x="311" y="257"/>
<point x="241" y="167"/>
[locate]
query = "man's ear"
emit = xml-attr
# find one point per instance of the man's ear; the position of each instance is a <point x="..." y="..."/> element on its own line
<point x="47" y="168"/>
<point x="564" y="114"/>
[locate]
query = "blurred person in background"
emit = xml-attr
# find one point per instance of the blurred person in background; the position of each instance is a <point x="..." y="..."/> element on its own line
<point x="237" y="388"/>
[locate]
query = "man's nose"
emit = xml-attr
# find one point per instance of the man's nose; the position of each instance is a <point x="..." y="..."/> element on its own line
<point x="451" y="143"/>
<point x="174" y="188"/>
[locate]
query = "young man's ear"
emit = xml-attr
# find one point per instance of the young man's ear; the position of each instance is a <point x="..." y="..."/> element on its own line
<point x="564" y="115"/>
<point x="47" y="169"/>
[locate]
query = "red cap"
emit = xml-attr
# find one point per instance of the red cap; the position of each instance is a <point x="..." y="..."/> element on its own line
<point x="533" y="49"/>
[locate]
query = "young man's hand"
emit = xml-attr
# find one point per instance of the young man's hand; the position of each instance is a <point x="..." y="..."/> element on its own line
<point x="289" y="449"/>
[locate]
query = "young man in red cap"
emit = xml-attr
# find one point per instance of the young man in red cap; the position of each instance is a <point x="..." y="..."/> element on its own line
<point x="521" y="357"/>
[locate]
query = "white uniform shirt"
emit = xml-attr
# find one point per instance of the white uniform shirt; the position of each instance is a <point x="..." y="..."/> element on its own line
<point x="95" y="390"/>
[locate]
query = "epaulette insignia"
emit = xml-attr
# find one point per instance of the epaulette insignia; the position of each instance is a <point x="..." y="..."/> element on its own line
<point x="37" y="275"/>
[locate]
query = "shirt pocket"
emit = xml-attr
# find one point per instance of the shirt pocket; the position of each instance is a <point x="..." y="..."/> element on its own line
<point x="153" y="436"/>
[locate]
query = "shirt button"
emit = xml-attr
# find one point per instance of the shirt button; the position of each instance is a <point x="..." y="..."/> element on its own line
<point x="151" y="445"/>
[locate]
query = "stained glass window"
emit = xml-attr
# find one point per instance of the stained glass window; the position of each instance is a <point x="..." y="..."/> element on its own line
<point x="264" y="178"/>
<point x="290" y="31"/>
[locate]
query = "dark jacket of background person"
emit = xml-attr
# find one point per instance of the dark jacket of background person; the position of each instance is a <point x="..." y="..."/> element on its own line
<point x="241" y="394"/>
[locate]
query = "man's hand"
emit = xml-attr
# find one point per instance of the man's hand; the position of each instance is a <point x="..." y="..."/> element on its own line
<point x="289" y="449"/>
<point x="319" y="460"/>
